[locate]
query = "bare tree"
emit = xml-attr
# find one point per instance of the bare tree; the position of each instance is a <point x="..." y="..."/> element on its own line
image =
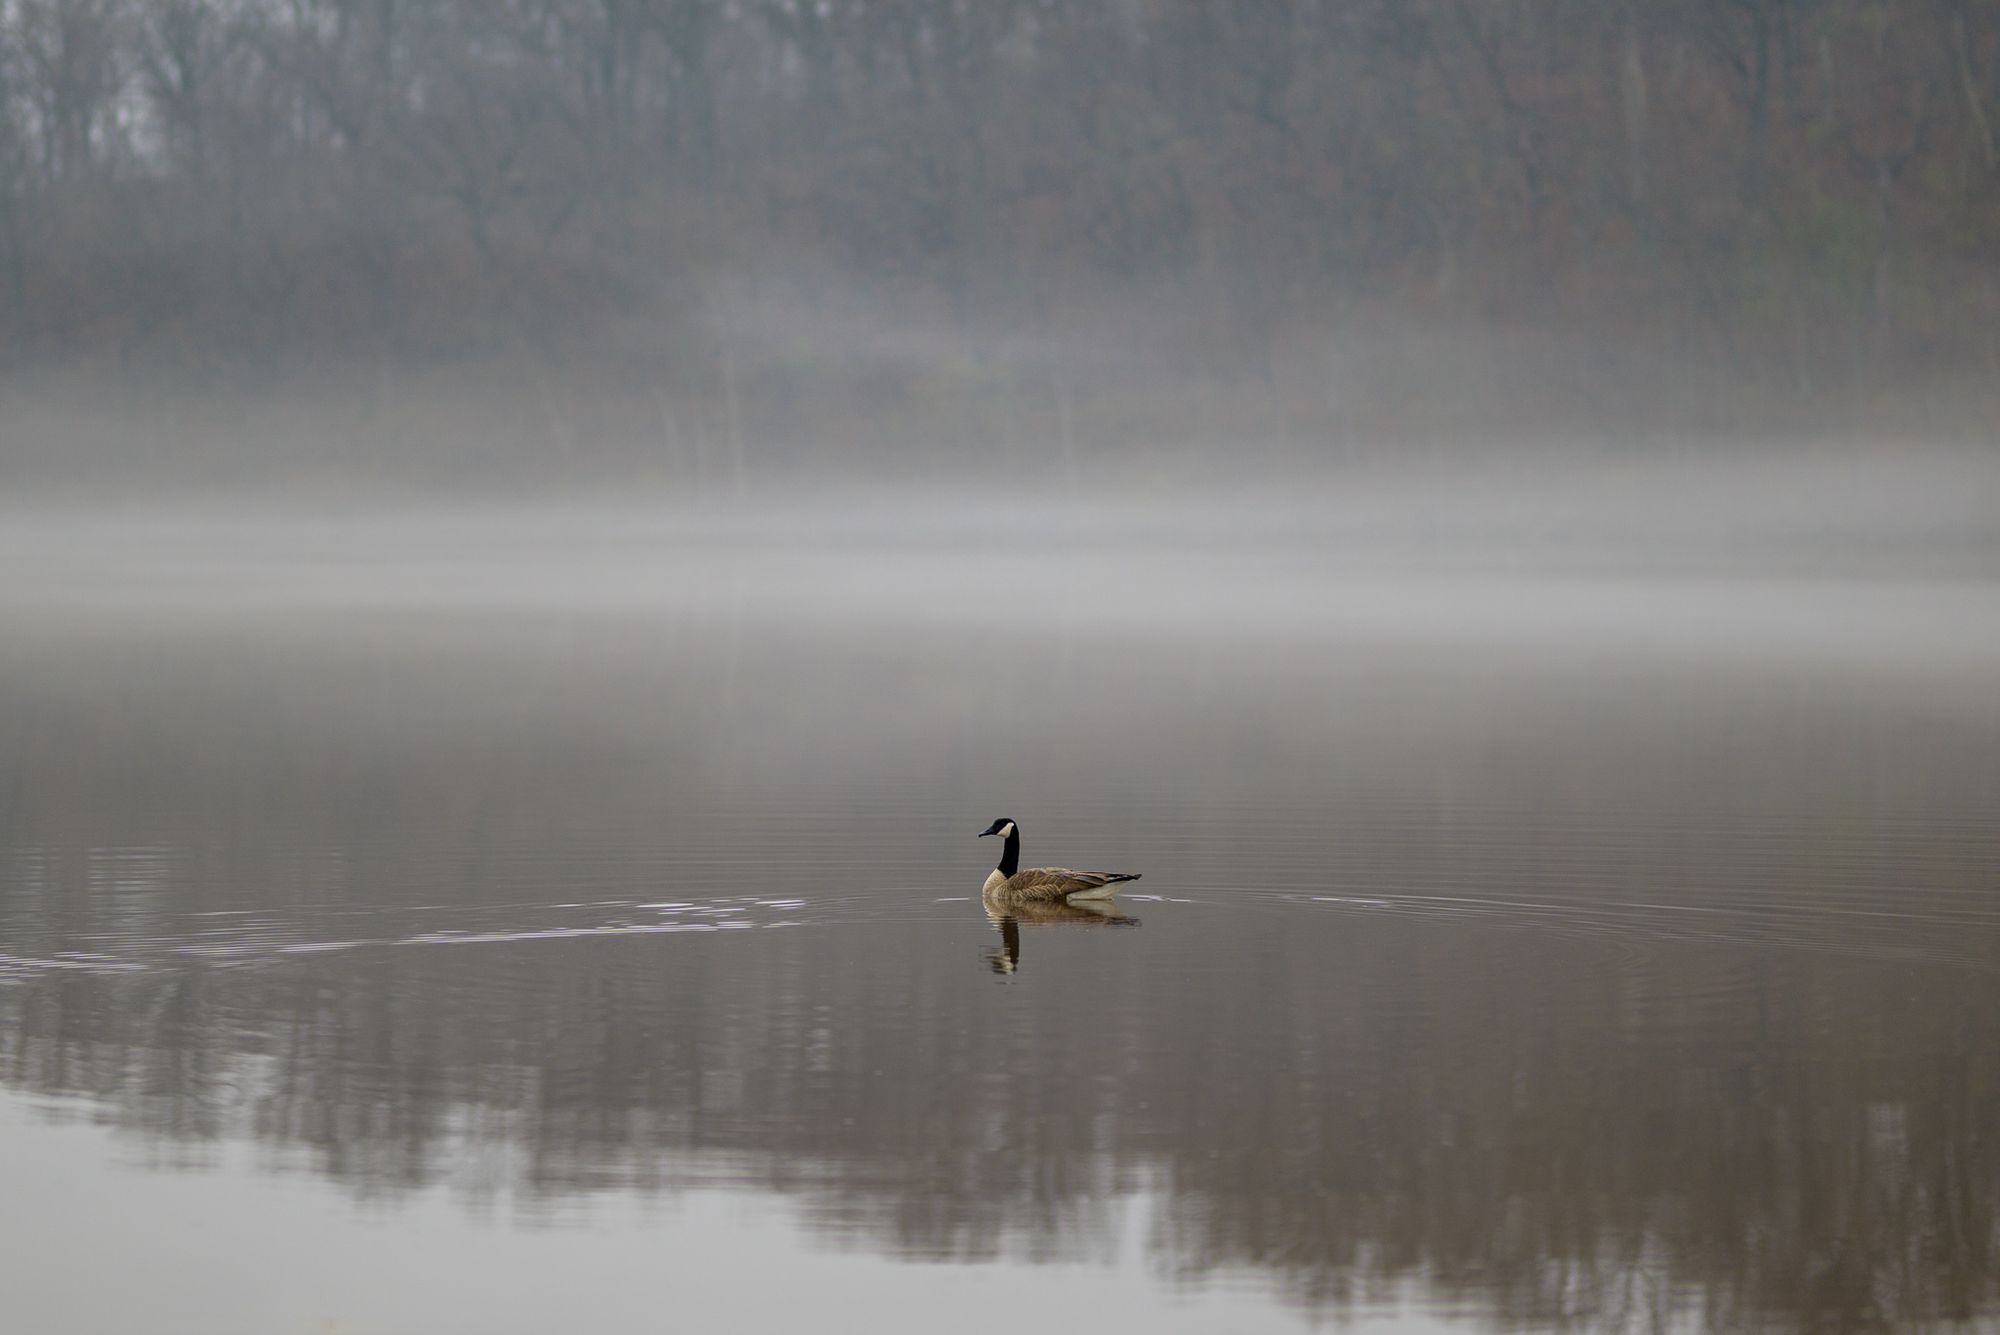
<point x="688" y="32"/>
<point x="71" y="51"/>
<point x="16" y="170"/>
<point x="182" y="46"/>
<point x="1753" y="43"/>
<point x="482" y="126"/>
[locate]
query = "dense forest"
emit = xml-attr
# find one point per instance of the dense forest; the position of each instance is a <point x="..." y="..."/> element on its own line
<point x="760" y="203"/>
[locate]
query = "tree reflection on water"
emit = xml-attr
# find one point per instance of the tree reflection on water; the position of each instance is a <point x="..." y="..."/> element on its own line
<point x="1564" y="1026"/>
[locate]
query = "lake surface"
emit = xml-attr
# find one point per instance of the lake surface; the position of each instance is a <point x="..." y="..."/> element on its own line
<point x="586" y="935"/>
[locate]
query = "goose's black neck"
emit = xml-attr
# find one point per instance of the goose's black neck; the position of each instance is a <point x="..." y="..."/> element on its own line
<point x="1010" y="856"/>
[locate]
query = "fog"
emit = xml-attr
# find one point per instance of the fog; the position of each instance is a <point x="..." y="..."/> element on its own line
<point x="1807" y="544"/>
<point x="702" y="253"/>
<point x="535" y="533"/>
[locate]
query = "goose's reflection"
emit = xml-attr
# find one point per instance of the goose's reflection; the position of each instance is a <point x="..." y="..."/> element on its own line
<point x="1009" y="918"/>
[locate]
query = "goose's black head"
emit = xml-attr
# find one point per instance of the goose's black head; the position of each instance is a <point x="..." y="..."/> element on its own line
<point x="1010" y="856"/>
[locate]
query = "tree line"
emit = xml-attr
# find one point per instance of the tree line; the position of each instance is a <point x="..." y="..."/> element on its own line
<point x="213" y="176"/>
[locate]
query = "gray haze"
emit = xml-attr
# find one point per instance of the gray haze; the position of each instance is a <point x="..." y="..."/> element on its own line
<point x="535" y="533"/>
<point x="699" y="248"/>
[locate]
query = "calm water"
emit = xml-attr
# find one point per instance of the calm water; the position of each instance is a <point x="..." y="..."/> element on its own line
<point x="437" y="951"/>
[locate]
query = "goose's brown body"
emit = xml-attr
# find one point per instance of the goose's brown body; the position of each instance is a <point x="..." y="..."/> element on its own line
<point x="1052" y="885"/>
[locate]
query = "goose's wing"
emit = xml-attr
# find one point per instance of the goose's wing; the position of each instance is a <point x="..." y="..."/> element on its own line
<point x="1062" y="883"/>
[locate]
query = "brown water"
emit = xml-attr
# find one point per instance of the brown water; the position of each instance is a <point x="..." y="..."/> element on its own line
<point x="1511" y="953"/>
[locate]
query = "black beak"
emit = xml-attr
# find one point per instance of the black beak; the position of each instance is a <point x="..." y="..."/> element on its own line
<point x="984" y="833"/>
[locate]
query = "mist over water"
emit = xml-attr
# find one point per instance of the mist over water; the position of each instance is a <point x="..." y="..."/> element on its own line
<point x="1567" y="899"/>
<point x="1539" y="925"/>
<point x="534" y="536"/>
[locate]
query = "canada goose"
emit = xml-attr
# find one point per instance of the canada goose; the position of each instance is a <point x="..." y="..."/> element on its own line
<point x="1008" y="884"/>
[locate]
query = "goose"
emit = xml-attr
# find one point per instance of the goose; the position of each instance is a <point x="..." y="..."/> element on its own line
<point x="1008" y="884"/>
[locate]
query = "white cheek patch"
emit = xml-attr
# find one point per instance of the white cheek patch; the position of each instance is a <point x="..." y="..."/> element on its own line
<point x="1007" y="830"/>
